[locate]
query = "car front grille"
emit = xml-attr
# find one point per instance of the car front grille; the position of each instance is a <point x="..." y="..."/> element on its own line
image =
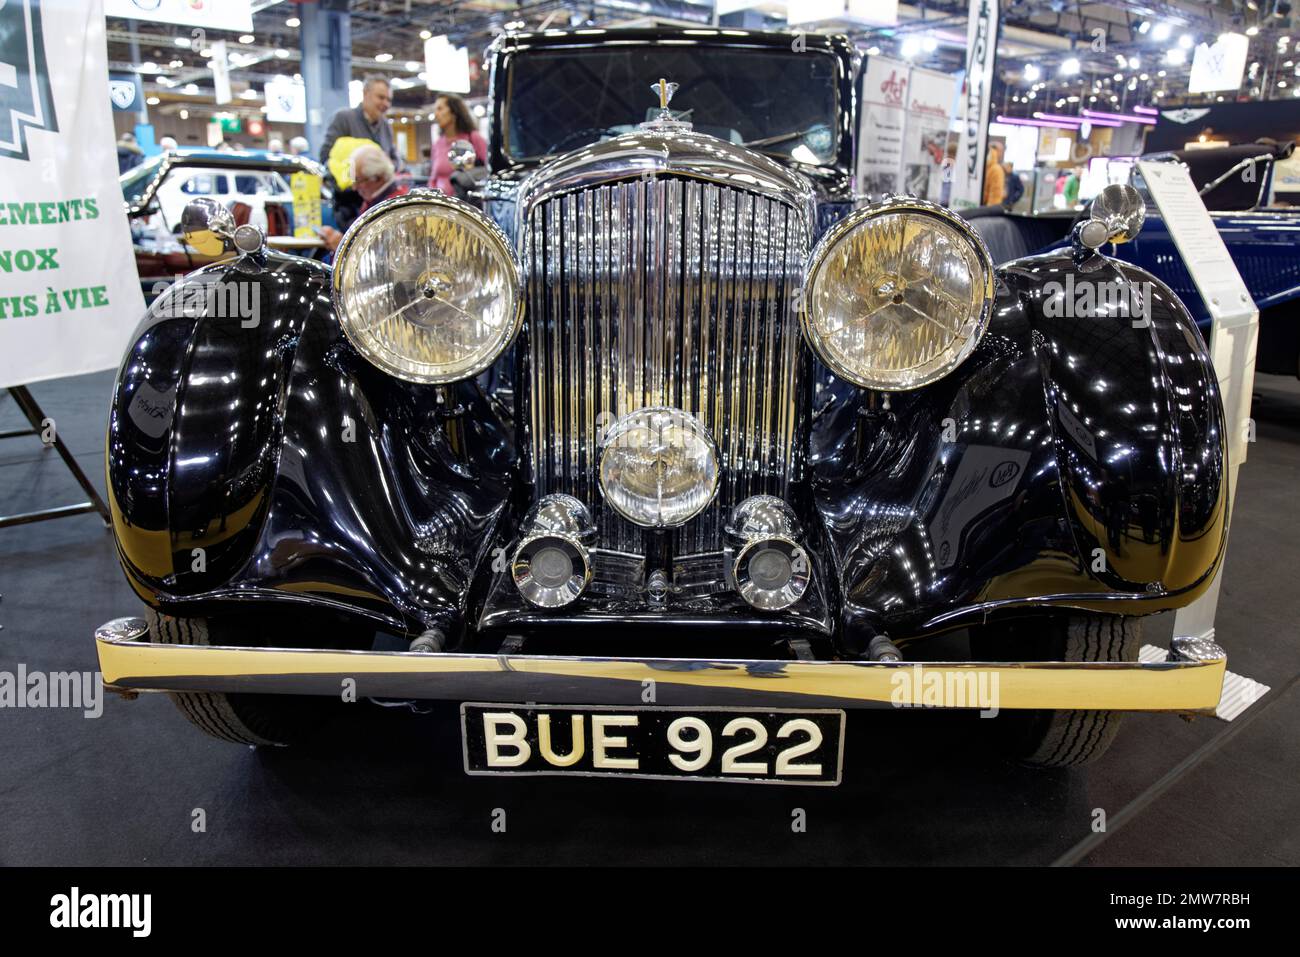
<point x="664" y="292"/>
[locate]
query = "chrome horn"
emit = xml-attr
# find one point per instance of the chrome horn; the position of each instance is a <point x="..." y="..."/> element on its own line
<point x="771" y="570"/>
<point x="1117" y="215"/>
<point x="207" y="226"/>
<point x="552" y="565"/>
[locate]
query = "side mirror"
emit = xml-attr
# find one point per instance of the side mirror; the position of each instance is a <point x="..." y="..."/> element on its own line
<point x="207" y="226"/>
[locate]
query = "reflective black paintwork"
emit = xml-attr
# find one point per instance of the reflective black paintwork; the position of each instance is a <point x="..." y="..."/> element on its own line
<point x="1074" y="462"/>
<point x="1069" y="462"/>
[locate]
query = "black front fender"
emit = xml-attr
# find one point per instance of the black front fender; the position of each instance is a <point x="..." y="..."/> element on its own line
<point x="1071" y="461"/>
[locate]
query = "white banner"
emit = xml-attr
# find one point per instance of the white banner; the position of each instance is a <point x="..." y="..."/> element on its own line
<point x="69" y="296"/>
<point x="981" y="54"/>
<point x="903" y="133"/>
<point x="880" y="136"/>
<point x="235" y="15"/>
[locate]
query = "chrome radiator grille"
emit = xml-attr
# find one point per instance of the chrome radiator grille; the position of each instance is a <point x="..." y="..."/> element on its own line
<point x="664" y="292"/>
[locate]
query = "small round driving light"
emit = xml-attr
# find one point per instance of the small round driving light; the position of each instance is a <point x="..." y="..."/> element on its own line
<point x="659" y="468"/>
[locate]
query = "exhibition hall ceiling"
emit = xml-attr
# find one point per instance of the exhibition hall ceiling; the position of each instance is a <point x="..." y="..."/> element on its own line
<point x="1051" y="52"/>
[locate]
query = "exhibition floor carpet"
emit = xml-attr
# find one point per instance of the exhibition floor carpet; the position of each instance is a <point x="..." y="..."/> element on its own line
<point x="388" y="786"/>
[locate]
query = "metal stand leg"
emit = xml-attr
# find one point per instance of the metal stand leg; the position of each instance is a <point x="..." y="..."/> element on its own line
<point x="35" y="416"/>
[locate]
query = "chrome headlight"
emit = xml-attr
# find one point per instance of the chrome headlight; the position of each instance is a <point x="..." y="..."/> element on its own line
<point x="659" y="468"/>
<point x="898" y="295"/>
<point x="427" y="288"/>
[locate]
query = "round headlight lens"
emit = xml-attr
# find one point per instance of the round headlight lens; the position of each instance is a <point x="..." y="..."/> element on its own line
<point x="428" y="289"/>
<point x="659" y="468"/>
<point x="898" y="296"/>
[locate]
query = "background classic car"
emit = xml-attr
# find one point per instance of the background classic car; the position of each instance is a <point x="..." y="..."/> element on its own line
<point x="623" y="434"/>
<point x="253" y="184"/>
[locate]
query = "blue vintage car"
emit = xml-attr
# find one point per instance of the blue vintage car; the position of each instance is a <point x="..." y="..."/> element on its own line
<point x="1261" y="234"/>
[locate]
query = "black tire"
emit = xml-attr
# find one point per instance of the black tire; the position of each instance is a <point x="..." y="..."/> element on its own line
<point x="258" y="720"/>
<point x="1059" y="739"/>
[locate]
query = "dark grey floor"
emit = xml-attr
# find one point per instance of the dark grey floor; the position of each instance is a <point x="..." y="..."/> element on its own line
<point x="919" y="787"/>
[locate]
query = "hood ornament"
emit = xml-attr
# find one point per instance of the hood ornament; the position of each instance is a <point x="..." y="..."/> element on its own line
<point x="665" y="120"/>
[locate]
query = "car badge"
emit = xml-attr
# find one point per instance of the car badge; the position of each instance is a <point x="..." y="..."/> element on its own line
<point x="665" y="119"/>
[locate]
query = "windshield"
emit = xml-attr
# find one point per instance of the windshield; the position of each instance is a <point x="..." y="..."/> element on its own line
<point x="782" y="103"/>
<point x="134" y="181"/>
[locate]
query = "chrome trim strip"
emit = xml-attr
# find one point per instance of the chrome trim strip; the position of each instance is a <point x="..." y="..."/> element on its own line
<point x="130" y="663"/>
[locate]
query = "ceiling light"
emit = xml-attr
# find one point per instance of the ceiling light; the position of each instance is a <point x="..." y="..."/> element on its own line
<point x="1281" y="84"/>
<point x="1186" y="41"/>
<point x="1161" y="73"/>
<point x="205" y="53"/>
<point x="176" y="64"/>
<point x="929" y="44"/>
<point x="413" y="65"/>
<point x="282" y="54"/>
<point x="1118" y="77"/>
<point x="154" y="101"/>
<point x="181" y="41"/>
<point x="1070" y="67"/>
<point x="292" y="22"/>
<point x="247" y="38"/>
<point x="1144" y="26"/>
<point x="1144" y="77"/>
<point x="911" y="47"/>
<point x="249" y="94"/>
<point x="873" y="51"/>
<point x="1252" y="31"/>
<point x="426" y="34"/>
<point x="383" y="57"/>
<point x="191" y="88"/>
<point x="1032" y="72"/>
<point x="1161" y="32"/>
<point x="185" y="114"/>
<point x="1134" y="62"/>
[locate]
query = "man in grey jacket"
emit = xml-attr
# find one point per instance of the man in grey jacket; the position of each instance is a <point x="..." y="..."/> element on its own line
<point x="366" y="121"/>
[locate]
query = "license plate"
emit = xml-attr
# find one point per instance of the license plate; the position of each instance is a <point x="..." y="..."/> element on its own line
<point x="759" y="746"/>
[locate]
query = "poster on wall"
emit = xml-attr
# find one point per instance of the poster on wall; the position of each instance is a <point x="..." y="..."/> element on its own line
<point x="903" y="133"/>
<point x="925" y="143"/>
<point x="981" y="54"/>
<point x="70" y="296"/>
<point x="880" y="139"/>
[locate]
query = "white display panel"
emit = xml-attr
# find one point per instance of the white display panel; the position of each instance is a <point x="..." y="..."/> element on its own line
<point x="1233" y="335"/>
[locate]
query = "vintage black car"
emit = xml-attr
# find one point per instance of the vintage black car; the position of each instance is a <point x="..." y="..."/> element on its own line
<point x="677" y="441"/>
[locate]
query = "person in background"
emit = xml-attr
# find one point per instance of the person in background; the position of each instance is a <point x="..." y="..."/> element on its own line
<point x="299" y="145"/>
<point x="168" y="143"/>
<point x="995" y="178"/>
<point x="275" y="145"/>
<point x="454" y="123"/>
<point x="367" y="121"/>
<point x="129" y="154"/>
<point x="1015" y="188"/>
<point x="373" y="176"/>
<point x="1071" y="192"/>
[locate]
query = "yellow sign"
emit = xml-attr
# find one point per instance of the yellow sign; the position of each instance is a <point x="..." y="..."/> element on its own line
<point x="306" y="203"/>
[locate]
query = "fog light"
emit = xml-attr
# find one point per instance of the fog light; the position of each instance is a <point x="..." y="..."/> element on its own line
<point x="552" y="566"/>
<point x="771" y="569"/>
<point x="659" y="468"/>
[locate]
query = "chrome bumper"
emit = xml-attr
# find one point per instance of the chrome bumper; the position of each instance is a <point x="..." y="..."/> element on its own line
<point x="1190" y="681"/>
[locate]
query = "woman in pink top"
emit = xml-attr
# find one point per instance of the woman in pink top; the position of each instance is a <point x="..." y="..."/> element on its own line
<point x="454" y="123"/>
